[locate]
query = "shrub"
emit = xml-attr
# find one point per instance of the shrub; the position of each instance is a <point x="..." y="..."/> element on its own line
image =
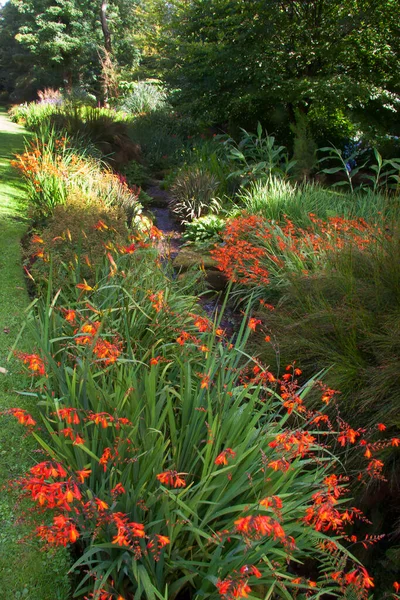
<point x="204" y="231"/>
<point x="54" y="171"/>
<point x="32" y="115"/>
<point x="164" y="137"/>
<point x="146" y="96"/>
<point x="261" y="256"/>
<point x="256" y="156"/>
<point x="136" y="174"/>
<point x="193" y="194"/>
<point x="50" y="96"/>
<point x="75" y="238"/>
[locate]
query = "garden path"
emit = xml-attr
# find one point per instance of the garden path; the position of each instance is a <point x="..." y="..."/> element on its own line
<point x="25" y="572"/>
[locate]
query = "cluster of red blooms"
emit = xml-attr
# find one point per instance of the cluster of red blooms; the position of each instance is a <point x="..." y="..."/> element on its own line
<point x="22" y="416"/>
<point x="34" y="363"/>
<point x="357" y="579"/>
<point x="324" y="514"/>
<point x="172" y="479"/>
<point x="259" y="526"/>
<point x="252" y="245"/>
<point x="238" y="258"/>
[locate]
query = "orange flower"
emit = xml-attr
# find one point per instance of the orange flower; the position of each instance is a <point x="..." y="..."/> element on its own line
<point x="69" y="315"/>
<point x="105" y="457"/>
<point x="250" y="570"/>
<point x="33" y="362"/>
<point x="171" y="478"/>
<point x="84" y="286"/>
<point x="22" y="416"/>
<point x="100" y="225"/>
<point x="396" y="586"/>
<point x="252" y="324"/>
<point x="70" y="415"/>
<point x="381" y="427"/>
<point x="118" y="489"/>
<point x="205" y="382"/>
<point x="154" y="361"/>
<point x="83" y="474"/>
<point x="36" y="239"/>
<point x="163" y="540"/>
<point x="222" y="457"/>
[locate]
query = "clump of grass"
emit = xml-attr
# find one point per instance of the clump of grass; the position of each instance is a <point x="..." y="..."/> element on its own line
<point x="278" y="197"/>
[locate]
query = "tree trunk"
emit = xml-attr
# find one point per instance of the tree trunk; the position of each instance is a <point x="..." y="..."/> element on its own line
<point x="104" y="26"/>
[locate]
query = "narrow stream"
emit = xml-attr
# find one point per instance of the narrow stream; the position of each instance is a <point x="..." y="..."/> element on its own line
<point x="170" y="246"/>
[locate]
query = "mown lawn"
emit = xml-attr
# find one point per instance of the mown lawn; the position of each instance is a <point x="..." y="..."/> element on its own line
<point x="25" y="571"/>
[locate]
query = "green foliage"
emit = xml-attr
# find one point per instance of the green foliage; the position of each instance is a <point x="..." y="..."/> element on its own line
<point x="304" y="149"/>
<point x="181" y="413"/>
<point x="346" y="319"/>
<point x="204" y="231"/>
<point x="278" y="197"/>
<point x="136" y="174"/>
<point x="193" y="194"/>
<point x="263" y="60"/>
<point x="385" y="173"/>
<point x="32" y="115"/>
<point x="257" y="156"/>
<point x="163" y="138"/>
<point x="47" y="44"/>
<point x="144" y="97"/>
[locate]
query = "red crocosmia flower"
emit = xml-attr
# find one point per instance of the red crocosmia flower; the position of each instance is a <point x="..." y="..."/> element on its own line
<point x="381" y="427"/>
<point x="396" y="586"/>
<point x="171" y="478"/>
<point x="258" y="526"/>
<point x="205" y="381"/>
<point x="100" y="225"/>
<point x="70" y="415"/>
<point x="163" y="540"/>
<point x="395" y="442"/>
<point x="222" y="457"/>
<point x="48" y="469"/>
<point x="105" y="458"/>
<point x="118" y="489"/>
<point x="252" y="324"/>
<point x="23" y="417"/>
<point x="154" y="361"/>
<point x="60" y="533"/>
<point x="128" y="249"/>
<point x="83" y="474"/>
<point x="70" y="315"/>
<point x="224" y="586"/>
<point x="84" y="286"/>
<point x="36" y="239"/>
<point x="101" y="505"/>
<point x="250" y="570"/>
<point x="127" y="530"/>
<point x="241" y="590"/>
<point x="33" y="362"/>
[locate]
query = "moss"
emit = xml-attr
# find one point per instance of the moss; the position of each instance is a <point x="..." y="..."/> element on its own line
<point x="190" y="258"/>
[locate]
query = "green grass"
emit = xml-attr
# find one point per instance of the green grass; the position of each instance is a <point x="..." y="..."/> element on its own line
<point x="25" y="571"/>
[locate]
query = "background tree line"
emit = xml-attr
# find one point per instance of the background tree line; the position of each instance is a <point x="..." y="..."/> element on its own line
<point x="325" y="67"/>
